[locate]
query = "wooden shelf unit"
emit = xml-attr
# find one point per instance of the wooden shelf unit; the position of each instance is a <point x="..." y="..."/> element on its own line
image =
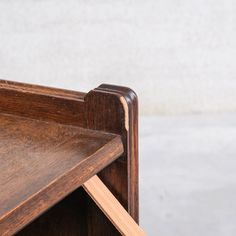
<point x="51" y="142"/>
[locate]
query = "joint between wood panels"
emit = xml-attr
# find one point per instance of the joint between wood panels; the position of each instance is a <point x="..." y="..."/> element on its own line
<point x="126" y="110"/>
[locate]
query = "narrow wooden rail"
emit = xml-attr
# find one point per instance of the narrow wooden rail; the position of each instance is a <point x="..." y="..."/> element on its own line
<point x="111" y="207"/>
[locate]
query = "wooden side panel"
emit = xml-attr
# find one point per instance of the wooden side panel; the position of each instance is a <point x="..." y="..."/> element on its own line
<point x="118" y="113"/>
<point x="37" y="102"/>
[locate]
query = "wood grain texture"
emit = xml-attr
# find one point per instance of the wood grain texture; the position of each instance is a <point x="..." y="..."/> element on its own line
<point x="67" y="218"/>
<point x="119" y="114"/>
<point x="41" y="162"/>
<point x="108" y="108"/>
<point x="37" y="102"/>
<point x="111" y="207"/>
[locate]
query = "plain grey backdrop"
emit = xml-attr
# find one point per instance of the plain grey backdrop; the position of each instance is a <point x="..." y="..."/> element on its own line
<point x="179" y="56"/>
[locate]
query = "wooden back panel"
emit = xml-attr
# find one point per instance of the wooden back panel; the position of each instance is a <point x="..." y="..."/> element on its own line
<point x="108" y="108"/>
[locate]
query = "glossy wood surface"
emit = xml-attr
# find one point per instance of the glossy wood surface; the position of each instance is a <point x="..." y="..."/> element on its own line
<point x="108" y="108"/>
<point x="41" y="162"/>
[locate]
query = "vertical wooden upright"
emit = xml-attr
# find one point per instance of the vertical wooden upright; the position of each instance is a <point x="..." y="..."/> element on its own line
<point x="116" y="110"/>
<point x="108" y="108"/>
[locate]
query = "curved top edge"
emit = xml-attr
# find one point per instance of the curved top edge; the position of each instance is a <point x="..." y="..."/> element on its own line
<point x="41" y="90"/>
<point x="129" y="94"/>
<point x="127" y="98"/>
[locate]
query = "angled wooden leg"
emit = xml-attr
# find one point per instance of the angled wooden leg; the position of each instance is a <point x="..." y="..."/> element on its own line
<point x="111" y="207"/>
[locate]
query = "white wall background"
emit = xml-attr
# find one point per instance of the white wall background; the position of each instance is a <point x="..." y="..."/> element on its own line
<point x="179" y="55"/>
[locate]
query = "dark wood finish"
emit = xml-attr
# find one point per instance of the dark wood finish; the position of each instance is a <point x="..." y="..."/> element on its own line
<point x="61" y="106"/>
<point x="66" y="218"/>
<point x="119" y="114"/>
<point x="43" y="162"/>
<point x="111" y="109"/>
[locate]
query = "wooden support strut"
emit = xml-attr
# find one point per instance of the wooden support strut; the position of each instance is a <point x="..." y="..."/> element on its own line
<point x="111" y="207"/>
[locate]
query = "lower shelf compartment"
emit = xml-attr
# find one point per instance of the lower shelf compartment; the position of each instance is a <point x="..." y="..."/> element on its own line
<point x="69" y="217"/>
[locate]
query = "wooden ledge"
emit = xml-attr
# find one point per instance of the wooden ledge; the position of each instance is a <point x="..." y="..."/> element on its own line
<point x="42" y="162"/>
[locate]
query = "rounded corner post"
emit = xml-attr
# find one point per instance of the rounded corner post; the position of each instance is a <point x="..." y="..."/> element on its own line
<point x="114" y="109"/>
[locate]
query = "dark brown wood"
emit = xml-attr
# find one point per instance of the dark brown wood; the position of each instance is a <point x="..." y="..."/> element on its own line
<point x="43" y="162"/>
<point x="118" y="114"/>
<point x="109" y="109"/>
<point x="61" y="106"/>
<point x="66" y="218"/>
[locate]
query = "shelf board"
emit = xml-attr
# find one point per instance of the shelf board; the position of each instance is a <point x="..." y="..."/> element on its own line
<point x="42" y="162"/>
